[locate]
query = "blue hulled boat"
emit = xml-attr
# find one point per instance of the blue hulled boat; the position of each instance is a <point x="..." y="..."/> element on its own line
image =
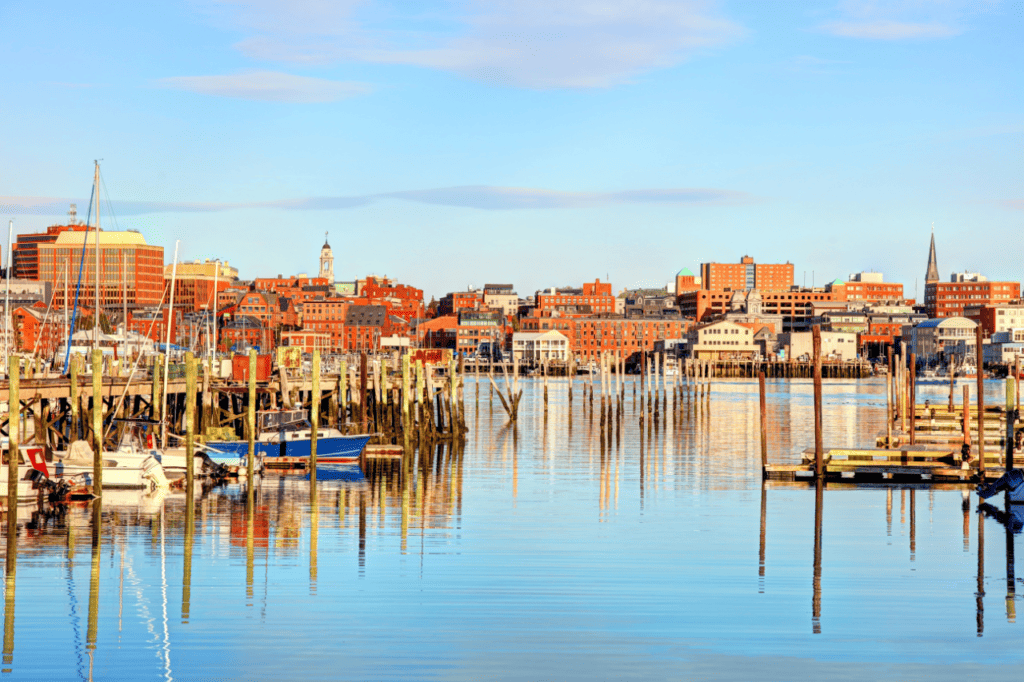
<point x="288" y="433"/>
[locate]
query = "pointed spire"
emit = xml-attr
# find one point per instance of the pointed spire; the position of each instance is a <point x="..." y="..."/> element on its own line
<point x="326" y="245"/>
<point x="933" y="267"/>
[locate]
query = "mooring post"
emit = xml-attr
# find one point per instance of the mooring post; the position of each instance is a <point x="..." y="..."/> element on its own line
<point x="314" y="420"/>
<point x="97" y="421"/>
<point x="405" y="391"/>
<point x="888" y="410"/>
<point x="764" y="425"/>
<point x="250" y="422"/>
<point x="819" y="447"/>
<point x="913" y="398"/>
<point x="13" y="435"/>
<point x="190" y="425"/>
<point x="980" y="360"/>
<point x="1011" y="398"/>
<point x="343" y="396"/>
<point x="362" y="391"/>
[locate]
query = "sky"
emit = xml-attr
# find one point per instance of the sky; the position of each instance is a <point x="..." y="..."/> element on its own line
<point x="538" y="143"/>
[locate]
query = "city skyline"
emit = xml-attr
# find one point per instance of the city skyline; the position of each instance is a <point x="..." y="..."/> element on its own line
<point x="612" y="141"/>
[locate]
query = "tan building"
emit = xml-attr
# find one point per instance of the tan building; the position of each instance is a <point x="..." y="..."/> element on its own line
<point x="128" y="266"/>
<point x="193" y="289"/>
<point x="722" y="340"/>
<point x="834" y="345"/>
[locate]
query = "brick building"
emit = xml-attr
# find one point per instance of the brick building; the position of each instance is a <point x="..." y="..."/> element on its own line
<point x="948" y="299"/>
<point x="996" y="318"/>
<point x="127" y="263"/>
<point x="868" y="287"/>
<point x="464" y="332"/>
<point x="455" y="301"/>
<point x="152" y="323"/>
<point x="593" y="298"/>
<point x="31" y="334"/>
<point x="591" y="336"/>
<point x="193" y="288"/>
<point x="796" y="306"/>
<point x="26" y="249"/>
<point x="746" y="275"/>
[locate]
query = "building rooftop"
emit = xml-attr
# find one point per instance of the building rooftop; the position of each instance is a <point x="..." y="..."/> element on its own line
<point x="106" y="238"/>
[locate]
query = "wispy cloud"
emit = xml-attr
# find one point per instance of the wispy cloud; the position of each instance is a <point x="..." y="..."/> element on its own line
<point x="471" y="196"/>
<point x="267" y="86"/>
<point x="527" y="43"/>
<point x="1015" y="203"/>
<point x="889" y="30"/>
<point x="903" y="19"/>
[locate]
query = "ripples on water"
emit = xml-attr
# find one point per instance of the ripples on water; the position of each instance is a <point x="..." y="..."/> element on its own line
<point x="543" y="552"/>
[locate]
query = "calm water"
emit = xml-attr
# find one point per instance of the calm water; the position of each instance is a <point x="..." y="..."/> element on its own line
<point x="538" y="554"/>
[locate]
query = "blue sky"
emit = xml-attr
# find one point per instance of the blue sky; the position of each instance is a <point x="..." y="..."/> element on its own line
<point x="542" y="143"/>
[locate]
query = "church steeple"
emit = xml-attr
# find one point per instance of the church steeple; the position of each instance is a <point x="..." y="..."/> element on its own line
<point x="933" y="267"/>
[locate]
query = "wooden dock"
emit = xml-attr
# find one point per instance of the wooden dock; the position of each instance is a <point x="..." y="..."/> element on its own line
<point x="913" y="463"/>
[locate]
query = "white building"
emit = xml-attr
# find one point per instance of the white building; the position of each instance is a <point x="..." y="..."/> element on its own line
<point x="941" y="337"/>
<point x="536" y="347"/>
<point x="834" y="345"/>
<point x="721" y="341"/>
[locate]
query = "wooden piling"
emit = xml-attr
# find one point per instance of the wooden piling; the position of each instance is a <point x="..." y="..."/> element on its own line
<point x="913" y="398"/>
<point x="97" y="421"/>
<point x="250" y="423"/>
<point x="75" y="399"/>
<point x="764" y="424"/>
<point x="190" y="424"/>
<point x="314" y="420"/>
<point x="888" y="407"/>
<point x="965" y="416"/>
<point x="980" y="360"/>
<point x="14" y="437"/>
<point x="362" y="391"/>
<point x="819" y="447"/>
<point x="1011" y="397"/>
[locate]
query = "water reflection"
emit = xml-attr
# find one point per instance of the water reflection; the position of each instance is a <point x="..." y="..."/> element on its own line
<point x="642" y="531"/>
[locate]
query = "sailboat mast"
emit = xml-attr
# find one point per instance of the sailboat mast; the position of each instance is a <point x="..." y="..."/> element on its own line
<point x="167" y="349"/>
<point x="124" y="302"/>
<point x="7" y="295"/>
<point x="96" y="317"/>
<point x="213" y="308"/>
<point x="67" y="328"/>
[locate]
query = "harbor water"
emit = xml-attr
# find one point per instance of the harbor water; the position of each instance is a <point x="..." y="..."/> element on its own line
<point x="545" y="551"/>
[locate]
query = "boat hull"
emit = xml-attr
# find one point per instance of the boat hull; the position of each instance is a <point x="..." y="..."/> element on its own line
<point x="332" y="449"/>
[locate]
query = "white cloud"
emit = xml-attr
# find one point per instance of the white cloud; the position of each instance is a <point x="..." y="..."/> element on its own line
<point x="888" y="30"/>
<point x="480" y="197"/>
<point x="903" y="19"/>
<point x="267" y="86"/>
<point x="526" y="43"/>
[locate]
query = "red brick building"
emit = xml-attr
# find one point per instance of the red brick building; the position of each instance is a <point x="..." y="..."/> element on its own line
<point x="948" y="299"/>
<point x="400" y="300"/>
<point x="455" y="301"/>
<point x="593" y="298"/>
<point x="152" y="324"/>
<point x="31" y="334"/>
<point x="869" y="288"/>
<point x="589" y="337"/>
<point x="26" y="248"/>
<point x="795" y="306"/>
<point x="746" y="275"/>
<point x="127" y="263"/>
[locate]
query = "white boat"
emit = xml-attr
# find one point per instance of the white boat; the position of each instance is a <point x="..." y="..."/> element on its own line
<point x="121" y="468"/>
<point x="27" y="490"/>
